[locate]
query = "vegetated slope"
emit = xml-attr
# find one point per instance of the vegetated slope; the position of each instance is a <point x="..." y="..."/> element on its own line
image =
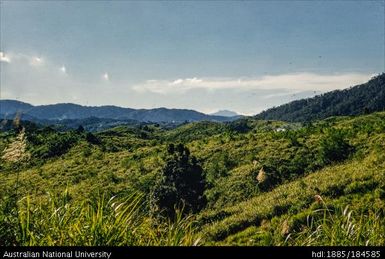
<point x="341" y="159"/>
<point x="294" y="213"/>
<point x="360" y="99"/>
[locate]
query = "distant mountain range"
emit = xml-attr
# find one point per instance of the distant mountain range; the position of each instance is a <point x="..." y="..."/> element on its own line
<point x="73" y="114"/>
<point x="365" y="98"/>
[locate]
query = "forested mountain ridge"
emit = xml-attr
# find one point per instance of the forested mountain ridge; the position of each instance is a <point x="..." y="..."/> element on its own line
<point x="70" y="111"/>
<point x="361" y="99"/>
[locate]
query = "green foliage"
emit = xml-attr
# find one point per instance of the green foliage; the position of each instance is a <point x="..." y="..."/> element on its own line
<point x="48" y="143"/>
<point x="334" y="147"/>
<point x="218" y="166"/>
<point x="180" y="185"/>
<point x="239" y="126"/>
<point x="91" y="138"/>
<point x="8" y="221"/>
<point x="239" y="185"/>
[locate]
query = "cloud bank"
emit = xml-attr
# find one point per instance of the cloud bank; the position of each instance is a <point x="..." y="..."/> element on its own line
<point x="294" y="82"/>
<point x="4" y="58"/>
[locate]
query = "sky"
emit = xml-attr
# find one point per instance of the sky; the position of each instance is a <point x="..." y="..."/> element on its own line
<point x="244" y="56"/>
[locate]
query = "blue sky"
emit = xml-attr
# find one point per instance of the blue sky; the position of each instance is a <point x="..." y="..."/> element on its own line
<point x="244" y="56"/>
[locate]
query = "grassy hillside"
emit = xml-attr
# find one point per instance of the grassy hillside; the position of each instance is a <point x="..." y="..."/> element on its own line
<point x="267" y="183"/>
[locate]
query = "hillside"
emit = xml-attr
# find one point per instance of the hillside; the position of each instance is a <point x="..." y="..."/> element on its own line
<point x="360" y="99"/>
<point x="267" y="183"/>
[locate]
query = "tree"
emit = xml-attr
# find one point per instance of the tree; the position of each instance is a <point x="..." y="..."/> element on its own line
<point x="181" y="184"/>
<point x="80" y="129"/>
<point x="91" y="138"/>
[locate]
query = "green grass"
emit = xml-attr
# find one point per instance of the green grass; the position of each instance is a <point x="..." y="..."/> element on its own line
<point x="98" y="222"/>
<point x="341" y="228"/>
<point x="332" y="183"/>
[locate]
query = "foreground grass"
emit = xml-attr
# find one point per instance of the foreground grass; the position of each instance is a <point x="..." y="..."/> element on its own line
<point x="342" y="228"/>
<point x="99" y="222"/>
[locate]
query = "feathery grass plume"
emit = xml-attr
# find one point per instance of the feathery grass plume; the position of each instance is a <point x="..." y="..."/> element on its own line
<point x="255" y="163"/>
<point x="261" y="177"/>
<point x="318" y="199"/>
<point x="16" y="150"/>
<point x="285" y="228"/>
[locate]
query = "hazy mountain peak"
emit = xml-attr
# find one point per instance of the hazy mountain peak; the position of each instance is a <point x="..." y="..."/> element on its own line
<point x="225" y="113"/>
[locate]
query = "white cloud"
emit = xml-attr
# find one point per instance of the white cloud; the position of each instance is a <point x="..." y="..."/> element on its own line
<point x="36" y="61"/>
<point x="106" y="76"/>
<point x="21" y="59"/>
<point x="4" y="58"/>
<point x="278" y="94"/>
<point x="63" y="69"/>
<point x="47" y="84"/>
<point x="293" y="82"/>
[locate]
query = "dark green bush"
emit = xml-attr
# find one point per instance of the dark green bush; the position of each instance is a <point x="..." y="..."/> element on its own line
<point x="92" y="139"/>
<point x="334" y="147"/>
<point x="181" y="183"/>
<point x="56" y="145"/>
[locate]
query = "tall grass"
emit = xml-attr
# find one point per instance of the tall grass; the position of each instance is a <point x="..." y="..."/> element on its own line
<point x="341" y="228"/>
<point x="98" y="222"/>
